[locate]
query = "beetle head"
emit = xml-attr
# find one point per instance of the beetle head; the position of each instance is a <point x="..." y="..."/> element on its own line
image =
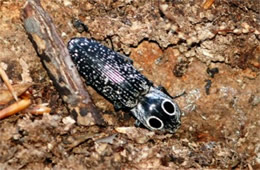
<point x="158" y="111"/>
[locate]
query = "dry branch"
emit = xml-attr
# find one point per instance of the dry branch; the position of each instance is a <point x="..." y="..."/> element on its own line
<point x="56" y="59"/>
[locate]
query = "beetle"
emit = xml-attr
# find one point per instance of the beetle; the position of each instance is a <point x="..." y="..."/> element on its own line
<point x="113" y="76"/>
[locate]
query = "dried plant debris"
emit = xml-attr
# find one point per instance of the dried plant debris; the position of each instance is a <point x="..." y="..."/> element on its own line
<point x="176" y="44"/>
<point x="208" y="3"/>
<point x="79" y="25"/>
<point x="137" y="134"/>
<point x="15" y="108"/>
<point x="6" y="96"/>
<point x="5" y="78"/>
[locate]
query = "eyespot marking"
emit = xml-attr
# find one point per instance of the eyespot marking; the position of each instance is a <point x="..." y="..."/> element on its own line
<point x="155" y="123"/>
<point x="168" y="107"/>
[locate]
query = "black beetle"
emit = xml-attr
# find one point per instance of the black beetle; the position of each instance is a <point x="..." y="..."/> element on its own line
<point x="113" y="76"/>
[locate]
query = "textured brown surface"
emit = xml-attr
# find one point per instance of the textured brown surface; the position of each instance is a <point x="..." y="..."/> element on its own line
<point x="173" y="43"/>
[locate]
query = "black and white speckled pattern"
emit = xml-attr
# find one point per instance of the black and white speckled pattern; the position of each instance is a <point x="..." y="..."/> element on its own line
<point x="114" y="77"/>
<point x="110" y="73"/>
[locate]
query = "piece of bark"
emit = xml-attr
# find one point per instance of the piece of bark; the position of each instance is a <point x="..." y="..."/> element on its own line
<point x="56" y="59"/>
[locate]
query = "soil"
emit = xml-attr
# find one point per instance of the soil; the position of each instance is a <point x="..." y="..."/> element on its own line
<point x="211" y="54"/>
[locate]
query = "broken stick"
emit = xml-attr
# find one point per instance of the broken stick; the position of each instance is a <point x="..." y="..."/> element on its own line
<point x="56" y="59"/>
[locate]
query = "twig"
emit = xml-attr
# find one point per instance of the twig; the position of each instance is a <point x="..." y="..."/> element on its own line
<point x="14" y="108"/>
<point x="40" y="109"/>
<point x="56" y="59"/>
<point x="7" y="83"/>
<point x="207" y="4"/>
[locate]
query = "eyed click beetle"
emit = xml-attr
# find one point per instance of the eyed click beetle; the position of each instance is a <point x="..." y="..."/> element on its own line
<point x="113" y="76"/>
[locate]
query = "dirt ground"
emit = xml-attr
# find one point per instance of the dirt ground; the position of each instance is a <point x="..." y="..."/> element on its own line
<point x="211" y="54"/>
